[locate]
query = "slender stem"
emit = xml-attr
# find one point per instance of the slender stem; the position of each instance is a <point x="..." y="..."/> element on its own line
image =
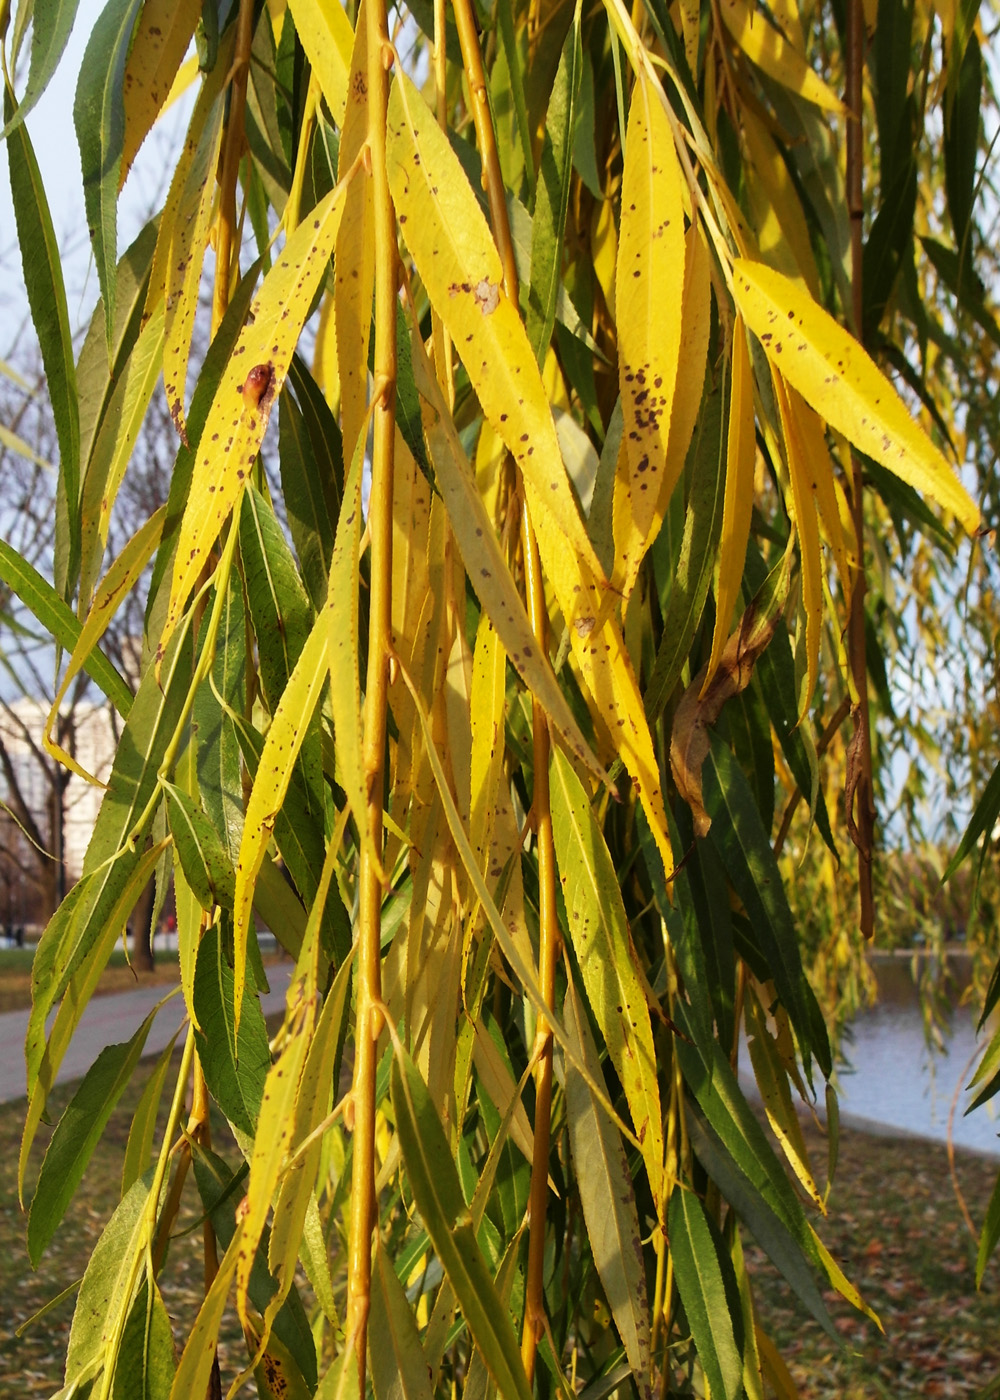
<point x="826" y="739"/>
<point x="549" y="937"/>
<point x="369" y="998"/>
<point x="549" y="943"/>
<point x="472" y="59"/>
<point x="231" y="152"/>
<point x="859" y="789"/>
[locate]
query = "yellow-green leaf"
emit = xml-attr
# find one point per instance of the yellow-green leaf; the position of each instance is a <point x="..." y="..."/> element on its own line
<point x="458" y="262"/>
<point x="281" y="747"/>
<point x="802" y="474"/>
<point x="599" y="929"/>
<point x="772" y="1081"/>
<point x="354" y="265"/>
<point x="839" y="380"/>
<point x="741" y="451"/>
<point x="242" y="405"/>
<point x="649" y="296"/>
<point x="160" y="42"/>
<point x="184" y="253"/>
<point x="772" y="52"/>
<point x="114" y="587"/>
<point x="325" y="34"/>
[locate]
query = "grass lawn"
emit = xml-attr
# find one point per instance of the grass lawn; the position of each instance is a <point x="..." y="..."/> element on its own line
<point x="118" y="976"/>
<point x="894" y="1226"/>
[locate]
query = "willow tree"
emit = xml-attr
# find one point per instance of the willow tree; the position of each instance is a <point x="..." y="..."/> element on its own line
<point x="513" y="561"/>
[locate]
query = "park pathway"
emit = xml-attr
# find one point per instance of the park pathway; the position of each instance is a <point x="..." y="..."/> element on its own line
<point x="111" y="1019"/>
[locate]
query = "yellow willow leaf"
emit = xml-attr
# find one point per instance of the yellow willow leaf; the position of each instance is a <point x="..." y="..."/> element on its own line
<point x="487" y="568"/>
<point x="772" y="52"/>
<point x="841" y="1282"/>
<point x="211" y="90"/>
<point x="487" y="716"/>
<point x="691" y="29"/>
<point x="159" y="44"/>
<point x="498" y="1083"/>
<point x="741" y="451"/>
<point x="782" y="232"/>
<point x="840" y="381"/>
<point x="112" y="591"/>
<point x="195" y="1369"/>
<point x="185" y="76"/>
<point x="354" y="265"/>
<point x="242" y="404"/>
<point x="184" y="255"/>
<point x="616" y="702"/>
<point x="113" y="449"/>
<point x="281" y="747"/>
<point x="696" y="320"/>
<point x="599" y="930"/>
<point x="460" y="267"/>
<point x="787" y="18"/>
<point x="327" y="38"/>
<point x="521" y="965"/>
<point x="649" y="296"/>
<point x="275" y="1132"/>
<point x="823" y="478"/>
<point x="776" y="1095"/>
<point x="803" y="481"/>
<point x="604" y="250"/>
<point x="340" y="621"/>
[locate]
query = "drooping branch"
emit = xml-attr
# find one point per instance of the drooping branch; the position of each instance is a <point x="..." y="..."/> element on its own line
<point x="859" y="790"/>
<point x="369" y="997"/>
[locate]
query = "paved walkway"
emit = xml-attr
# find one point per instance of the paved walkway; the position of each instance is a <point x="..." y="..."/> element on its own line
<point x="107" y="1020"/>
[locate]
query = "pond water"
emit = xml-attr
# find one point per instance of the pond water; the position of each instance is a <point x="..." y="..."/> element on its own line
<point x="894" y="1080"/>
<point x="890" y="1080"/>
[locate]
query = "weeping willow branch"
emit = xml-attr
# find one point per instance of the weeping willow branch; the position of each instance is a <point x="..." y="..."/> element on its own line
<point x="369" y="999"/>
<point x="231" y="152"/>
<point x="549" y="938"/>
<point x="859" y="790"/>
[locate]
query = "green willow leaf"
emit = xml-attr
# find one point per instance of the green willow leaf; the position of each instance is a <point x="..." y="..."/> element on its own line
<point x="438" y="1194"/>
<point x="698" y="1271"/>
<point x="312" y="475"/>
<point x="608" y="1200"/>
<point x="99" y="117"/>
<point x="398" y="1363"/>
<point x="146" y="1362"/>
<point x="599" y="931"/>
<point x="106" y="1290"/>
<point x="552" y="198"/>
<point x="77" y="1134"/>
<point x="61" y="623"/>
<point x="51" y="25"/>
<point x="206" y="865"/>
<point x="702" y="525"/>
<point x="235" y="1062"/>
<point x="738" y="836"/>
<point x="961" y="144"/>
<point x="43" y="282"/>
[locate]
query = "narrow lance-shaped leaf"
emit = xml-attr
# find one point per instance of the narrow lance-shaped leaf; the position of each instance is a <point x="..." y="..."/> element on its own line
<point x="115" y="586"/>
<point x="438" y="1194"/>
<point x="99" y="117"/>
<point x="608" y="1200"/>
<point x="77" y="1134"/>
<point x="240" y="410"/>
<point x="703" y="1293"/>
<point x="51" y="26"/>
<point x="741" y="450"/>
<point x="43" y="282"/>
<point x="61" y="623"/>
<point x="599" y="931"/>
<point x="837" y="378"/>
<point x="649" y="288"/>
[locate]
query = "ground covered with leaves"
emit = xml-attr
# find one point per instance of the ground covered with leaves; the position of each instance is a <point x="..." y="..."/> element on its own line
<point x="897" y="1230"/>
<point x="894" y="1225"/>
